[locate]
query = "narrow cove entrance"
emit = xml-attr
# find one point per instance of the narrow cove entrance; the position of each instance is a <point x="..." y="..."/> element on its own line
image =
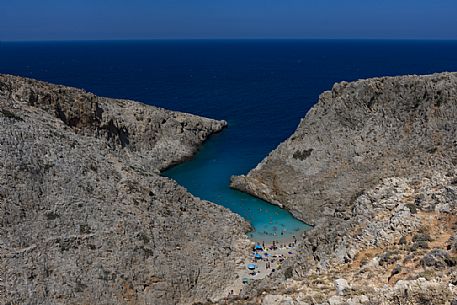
<point x="207" y="176"/>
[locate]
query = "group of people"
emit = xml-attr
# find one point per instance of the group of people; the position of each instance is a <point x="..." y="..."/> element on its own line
<point x="260" y="255"/>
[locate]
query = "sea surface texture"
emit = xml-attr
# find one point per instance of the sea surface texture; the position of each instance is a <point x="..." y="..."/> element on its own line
<point x="261" y="88"/>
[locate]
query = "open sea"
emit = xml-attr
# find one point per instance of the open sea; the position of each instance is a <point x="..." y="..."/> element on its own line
<point x="261" y="87"/>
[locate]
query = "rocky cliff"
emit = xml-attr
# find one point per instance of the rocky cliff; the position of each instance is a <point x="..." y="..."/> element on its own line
<point x="373" y="166"/>
<point x="85" y="216"/>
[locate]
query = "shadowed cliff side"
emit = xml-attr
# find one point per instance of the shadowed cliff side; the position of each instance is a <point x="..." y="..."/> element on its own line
<point x="85" y="217"/>
<point x="155" y="135"/>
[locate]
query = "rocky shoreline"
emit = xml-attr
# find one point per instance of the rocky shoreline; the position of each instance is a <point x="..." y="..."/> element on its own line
<point x="85" y="216"/>
<point x="373" y="166"/>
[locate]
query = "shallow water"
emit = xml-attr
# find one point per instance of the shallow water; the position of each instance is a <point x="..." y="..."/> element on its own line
<point x="206" y="176"/>
<point x="261" y="87"/>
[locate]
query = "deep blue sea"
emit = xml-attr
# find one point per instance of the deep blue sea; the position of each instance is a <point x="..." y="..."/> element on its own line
<point x="261" y="87"/>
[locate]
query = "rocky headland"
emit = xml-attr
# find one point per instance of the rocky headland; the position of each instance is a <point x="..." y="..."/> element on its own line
<point x="87" y="219"/>
<point x="85" y="216"/>
<point x="373" y="166"/>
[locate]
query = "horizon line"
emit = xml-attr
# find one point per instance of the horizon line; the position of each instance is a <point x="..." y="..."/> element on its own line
<point x="226" y="39"/>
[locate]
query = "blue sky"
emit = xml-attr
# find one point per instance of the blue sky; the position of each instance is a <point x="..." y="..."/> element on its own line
<point x="150" y="19"/>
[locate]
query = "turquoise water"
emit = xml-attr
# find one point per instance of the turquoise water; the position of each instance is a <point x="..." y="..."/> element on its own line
<point x="261" y="87"/>
<point x="207" y="176"/>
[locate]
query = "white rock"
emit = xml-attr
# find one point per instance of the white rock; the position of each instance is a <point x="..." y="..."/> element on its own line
<point x="341" y="285"/>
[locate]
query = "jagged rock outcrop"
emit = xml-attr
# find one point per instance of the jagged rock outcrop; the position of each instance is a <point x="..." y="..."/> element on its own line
<point x="373" y="167"/>
<point x="155" y="138"/>
<point x="85" y="218"/>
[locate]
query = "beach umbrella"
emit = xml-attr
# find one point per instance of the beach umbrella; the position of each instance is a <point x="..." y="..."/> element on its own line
<point x="252" y="266"/>
<point x="258" y="256"/>
<point x="258" y="247"/>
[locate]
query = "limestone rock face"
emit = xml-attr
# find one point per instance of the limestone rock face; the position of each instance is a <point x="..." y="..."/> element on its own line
<point x="85" y="218"/>
<point x="357" y="134"/>
<point x="373" y="166"/>
<point x="153" y="137"/>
